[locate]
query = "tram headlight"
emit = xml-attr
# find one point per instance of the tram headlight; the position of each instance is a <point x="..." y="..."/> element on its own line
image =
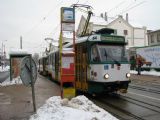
<point x="106" y="76"/>
<point x="128" y="75"/>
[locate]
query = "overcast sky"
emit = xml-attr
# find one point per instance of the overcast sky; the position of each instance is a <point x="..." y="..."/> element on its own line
<point x="36" y="20"/>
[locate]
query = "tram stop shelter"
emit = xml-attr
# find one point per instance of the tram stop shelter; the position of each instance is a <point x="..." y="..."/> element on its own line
<point x="15" y="61"/>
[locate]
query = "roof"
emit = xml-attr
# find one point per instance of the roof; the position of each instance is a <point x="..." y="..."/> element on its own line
<point x="97" y="20"/>
<point x="120" y="18"/>
<point x="18" y="52"/>
<point x="136" y="24"/>
<point x="154" y="31"/>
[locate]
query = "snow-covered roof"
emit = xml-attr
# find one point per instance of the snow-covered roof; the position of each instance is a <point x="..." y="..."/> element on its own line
<point x="154" y="31"/>
<point x="136" y="24"/>
<point x="97" y="20"/>
<point x="18" y="52"/>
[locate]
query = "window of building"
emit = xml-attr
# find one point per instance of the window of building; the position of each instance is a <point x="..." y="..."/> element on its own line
<point x="125" y="32"/>
<point x="158" y="37"/>
<point x="152" y="39"/>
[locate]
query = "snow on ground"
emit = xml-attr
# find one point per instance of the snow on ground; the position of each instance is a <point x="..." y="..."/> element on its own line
<point x="152" y="72"/>
<point x="13" y="82"/>
<point x="78" y="108"/>
<point x="4" y="68"/>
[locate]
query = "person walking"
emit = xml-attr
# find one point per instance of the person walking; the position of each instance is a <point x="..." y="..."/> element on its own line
<point x="139" y="65"/>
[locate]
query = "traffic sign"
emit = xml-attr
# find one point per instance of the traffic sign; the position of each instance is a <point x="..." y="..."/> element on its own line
<point x="26" y="72"/>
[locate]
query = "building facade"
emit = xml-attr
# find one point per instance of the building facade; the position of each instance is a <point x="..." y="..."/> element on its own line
<point x="136" y="35"/>
<point x="153" y="37"/>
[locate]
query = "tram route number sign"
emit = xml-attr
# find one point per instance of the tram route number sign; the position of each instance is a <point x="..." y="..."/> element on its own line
<point x="26" y="72"/>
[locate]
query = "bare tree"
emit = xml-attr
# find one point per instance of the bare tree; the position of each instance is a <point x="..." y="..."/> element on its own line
<point x="36" y="57"/>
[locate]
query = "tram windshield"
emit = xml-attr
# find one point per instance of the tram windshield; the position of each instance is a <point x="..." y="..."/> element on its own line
<point x="108" y="53"/>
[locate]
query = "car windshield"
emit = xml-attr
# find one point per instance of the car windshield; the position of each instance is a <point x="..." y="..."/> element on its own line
<point x="108" y="53"/>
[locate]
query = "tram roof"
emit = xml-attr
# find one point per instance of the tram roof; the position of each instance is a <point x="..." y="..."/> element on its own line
<point x="94" y="38"/>
<point x="97" y="38"/>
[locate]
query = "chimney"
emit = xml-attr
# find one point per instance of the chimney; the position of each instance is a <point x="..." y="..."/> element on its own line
<point x="105" y="16"/>
<point x="101" y="15"/>
<point x="120" y="16"/>
<point x="127" y="17"/>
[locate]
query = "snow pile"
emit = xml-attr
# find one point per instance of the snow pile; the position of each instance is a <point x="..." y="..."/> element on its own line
<point x="4" y="68"/>
<point x="80" y="108"/>
<point x="152" y="72"/>
<point x="13" y="82"/>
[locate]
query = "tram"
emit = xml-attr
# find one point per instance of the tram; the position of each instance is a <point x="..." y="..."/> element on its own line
<point x="101" y="64"/>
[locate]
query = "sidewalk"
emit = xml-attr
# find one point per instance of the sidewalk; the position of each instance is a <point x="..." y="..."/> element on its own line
<point x="145" y="77"/>
<point x="16" y="100"/>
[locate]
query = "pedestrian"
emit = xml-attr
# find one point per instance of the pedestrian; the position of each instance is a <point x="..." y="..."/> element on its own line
<point x="139" y="65"/>
<point x="133" y="63"/>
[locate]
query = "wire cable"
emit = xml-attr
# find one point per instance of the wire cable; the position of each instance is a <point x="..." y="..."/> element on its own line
<point x="130" y="8"/>
<point x="44" y="18"/>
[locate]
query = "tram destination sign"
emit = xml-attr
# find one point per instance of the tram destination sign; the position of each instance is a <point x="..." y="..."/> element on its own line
<point x="113" y="38"/>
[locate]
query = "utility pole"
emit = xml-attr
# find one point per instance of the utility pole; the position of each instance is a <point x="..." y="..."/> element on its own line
<point x="20" y="42"/>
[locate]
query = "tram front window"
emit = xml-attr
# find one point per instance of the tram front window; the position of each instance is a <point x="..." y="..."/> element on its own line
<point x="94" y="54"/>
<point x="105" y="53"/>
<point x="112" y="53"/>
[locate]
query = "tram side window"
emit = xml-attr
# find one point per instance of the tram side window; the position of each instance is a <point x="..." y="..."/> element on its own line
<point x="94" y="54"/>
<point x="52" y="59"/>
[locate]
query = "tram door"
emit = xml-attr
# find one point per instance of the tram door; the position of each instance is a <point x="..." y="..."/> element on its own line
<point x="81" y="68"/>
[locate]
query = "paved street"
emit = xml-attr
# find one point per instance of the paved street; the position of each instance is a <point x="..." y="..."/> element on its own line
<point x="16" y="100"/>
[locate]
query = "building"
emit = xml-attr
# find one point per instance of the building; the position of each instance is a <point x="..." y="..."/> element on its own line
<point x="95" y="23"/>
<point x="153" y="37"/>
<point x="136" y="35"/>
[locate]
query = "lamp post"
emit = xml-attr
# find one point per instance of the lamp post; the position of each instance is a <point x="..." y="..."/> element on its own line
<point x="50" y="41"/>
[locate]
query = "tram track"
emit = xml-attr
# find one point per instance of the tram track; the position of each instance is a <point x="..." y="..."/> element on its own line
<point x="120" y="113"/>
<point x="149" y="106"/>
<point x="109" y="103"/>
<point x="145" y="89"/>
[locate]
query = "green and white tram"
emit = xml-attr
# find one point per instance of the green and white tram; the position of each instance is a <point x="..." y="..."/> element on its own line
<point x="101" y="63"/>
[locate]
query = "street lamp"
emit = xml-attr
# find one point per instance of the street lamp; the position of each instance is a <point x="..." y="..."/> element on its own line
<point x="50" y="41"/>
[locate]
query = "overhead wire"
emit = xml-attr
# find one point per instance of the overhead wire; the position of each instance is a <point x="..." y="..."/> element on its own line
<point x="129" y="8"/>
<point x="44" y="18"/>
<point x="54" y="30"/>
<point x="118" y="5"/>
